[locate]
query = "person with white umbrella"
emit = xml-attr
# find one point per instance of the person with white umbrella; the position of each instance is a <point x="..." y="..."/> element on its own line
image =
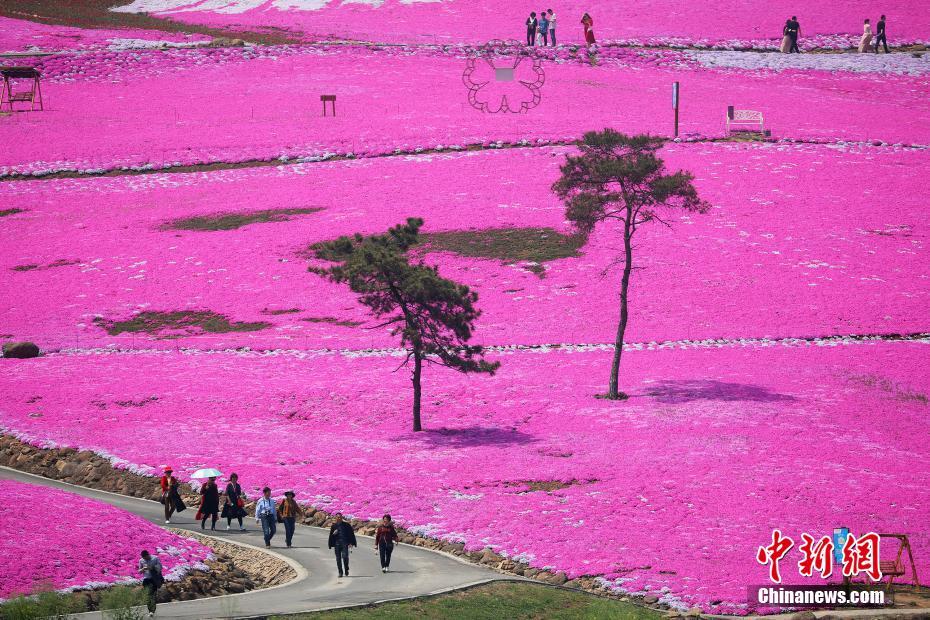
<point x="209" y="497"/>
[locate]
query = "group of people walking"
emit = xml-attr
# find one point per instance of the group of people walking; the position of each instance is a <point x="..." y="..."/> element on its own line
<point x="342" y="537"/>
<point x="867" y="43"/>
<point x="541" y="30"/>
<point x="268" y="514"/>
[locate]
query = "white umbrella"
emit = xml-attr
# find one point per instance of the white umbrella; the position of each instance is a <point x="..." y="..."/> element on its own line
<point x="208" y="472"/>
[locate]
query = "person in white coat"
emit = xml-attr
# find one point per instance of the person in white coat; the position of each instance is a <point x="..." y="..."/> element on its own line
<point x="865" y="43"/>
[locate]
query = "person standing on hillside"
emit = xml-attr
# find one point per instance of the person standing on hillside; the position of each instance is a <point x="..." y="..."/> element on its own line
<point x="234" y="506"/>
<point x="341" y="537"/>
<point x="209" y="503"/>
<point x="531" y="25"/>
<point x="551" y="17"/>
<point x="151" y="569"/>
<point x="786" y="37"/>
<point x="544" y="28"/>
<point x="588" y="23"/>
<point x="288" y="510"/>
<point x="865" y="43"/>
<point x="880" y="35"/>
<point x="266" y="514"/>
<point x="794" y="31"/>
<point x="385" y="537"/>
<point x="170" y="496"/>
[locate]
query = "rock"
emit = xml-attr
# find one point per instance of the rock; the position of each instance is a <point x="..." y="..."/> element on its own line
<point x="650" y="599"/>
<point x="530" y="572"/>
<point x="804" y="615"/>
<point x="489" y="557"/>
<point x="20" y="350"/>
<point x="694" y="612"/>
<point x="65" y="469"/>
<point x="558" y="579"/>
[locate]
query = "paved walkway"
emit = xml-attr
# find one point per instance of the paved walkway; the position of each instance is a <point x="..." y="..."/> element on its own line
<point x="414" y="571"/>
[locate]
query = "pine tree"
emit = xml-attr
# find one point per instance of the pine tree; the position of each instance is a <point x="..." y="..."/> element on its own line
<point x="433" y="316"/>
<point x="621" y="178"/>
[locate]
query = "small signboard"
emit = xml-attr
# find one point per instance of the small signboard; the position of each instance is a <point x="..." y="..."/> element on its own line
<point x="504" y="74"/>
<point x="675" y="95"/>
<point x="840" y="534"/>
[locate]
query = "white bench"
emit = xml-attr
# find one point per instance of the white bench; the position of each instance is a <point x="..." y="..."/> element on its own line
<point x="744" y="119"/>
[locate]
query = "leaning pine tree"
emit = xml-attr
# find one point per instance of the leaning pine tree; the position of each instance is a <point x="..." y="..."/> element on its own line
<point x="433" y="316"/>
<point x="621" y="178"/>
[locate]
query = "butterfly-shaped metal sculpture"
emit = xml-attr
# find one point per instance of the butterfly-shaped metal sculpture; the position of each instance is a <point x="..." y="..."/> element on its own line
<point x="499" y="79"/>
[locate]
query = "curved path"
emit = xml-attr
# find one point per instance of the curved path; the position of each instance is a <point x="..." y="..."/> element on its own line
<point x="414" y="571"/>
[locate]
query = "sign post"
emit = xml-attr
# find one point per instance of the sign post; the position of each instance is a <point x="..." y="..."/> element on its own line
<point x="675" y="105"/>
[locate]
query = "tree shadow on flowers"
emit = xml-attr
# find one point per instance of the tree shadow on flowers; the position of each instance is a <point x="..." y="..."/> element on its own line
<point x="676" y="392"/>
<point x="473" y="437"/>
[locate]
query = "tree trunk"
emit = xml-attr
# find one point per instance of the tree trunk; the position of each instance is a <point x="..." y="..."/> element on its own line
<point x="417" y="371"/>
<point x="613" y="391"/>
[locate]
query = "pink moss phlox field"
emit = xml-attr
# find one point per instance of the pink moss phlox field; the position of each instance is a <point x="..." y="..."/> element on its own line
<point x="670" y="492"/>
<point x="69" y="542"/>
<point x="799" y="242"/>
<point x="194" y="106"/>
<point x="703" y="23"/>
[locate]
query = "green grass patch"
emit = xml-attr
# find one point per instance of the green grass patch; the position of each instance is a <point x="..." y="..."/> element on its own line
<point x="511" y="600"/>
<point x="232" y="221"/>
<point x="5" y="212"/>
<point x="745" y="136"/>
<point x="332" y="321"/>
<point x="187" y="322"/>
<point x="532" y="246"/>
<point x="508" y="245"/>
<point x="45" y="604"/>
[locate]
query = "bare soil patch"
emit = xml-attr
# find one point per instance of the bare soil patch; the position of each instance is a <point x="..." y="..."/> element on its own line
<point x="61" y="262"/>
<point x="332" y="321"/>
<point x="97" y="14"/>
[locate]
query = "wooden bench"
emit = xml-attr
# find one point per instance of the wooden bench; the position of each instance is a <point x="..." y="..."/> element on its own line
<point x="8" y="96"/>
<point x="740" y="119"/>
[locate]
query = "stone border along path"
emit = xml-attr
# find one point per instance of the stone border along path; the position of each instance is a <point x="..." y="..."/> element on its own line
<point x="416" y="571"/>
<point x="707" y="343"/>
<point x="71" y="173"/>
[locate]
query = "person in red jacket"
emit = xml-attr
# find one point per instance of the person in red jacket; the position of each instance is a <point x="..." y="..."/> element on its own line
<point x="588" y="24"/>
<point x="385" y="537"/>
<point x="170" y="496"/>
